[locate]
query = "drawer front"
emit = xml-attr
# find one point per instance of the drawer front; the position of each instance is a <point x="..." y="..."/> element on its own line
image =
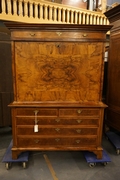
<point x="57" y="121"/>
<point x="55" y="142"/>
<point x="79" y="112"/>
<point x="37" y="111"/>
<point x="56" y="35"/>
<point x="29" y="130"/>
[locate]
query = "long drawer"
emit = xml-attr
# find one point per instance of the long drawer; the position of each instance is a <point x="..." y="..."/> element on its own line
<point x="72" y="131"/>
<point x="56" y="141"/>
<point x="55" y="35"/>
<point x="57" y="121"/>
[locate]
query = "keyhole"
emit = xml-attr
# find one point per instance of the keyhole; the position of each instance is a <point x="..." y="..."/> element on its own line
<point x="58" y="45"/>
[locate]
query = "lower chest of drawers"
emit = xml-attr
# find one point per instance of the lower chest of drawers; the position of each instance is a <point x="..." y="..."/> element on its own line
<point x="56" y="126"/>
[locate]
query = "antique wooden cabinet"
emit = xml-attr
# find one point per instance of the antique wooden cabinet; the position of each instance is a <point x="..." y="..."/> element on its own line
<point x="58" y="77"/>
<point x="113" y="89"/>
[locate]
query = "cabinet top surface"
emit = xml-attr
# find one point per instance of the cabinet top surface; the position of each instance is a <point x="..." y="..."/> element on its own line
<point x="24" y="26"/>
<point x="55" y="105"/>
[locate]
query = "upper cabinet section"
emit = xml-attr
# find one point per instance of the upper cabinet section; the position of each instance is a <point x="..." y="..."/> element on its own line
<point x="58" y="63"/>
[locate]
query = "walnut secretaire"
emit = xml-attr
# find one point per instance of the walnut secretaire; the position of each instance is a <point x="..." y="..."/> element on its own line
<point x="58" y="77"/>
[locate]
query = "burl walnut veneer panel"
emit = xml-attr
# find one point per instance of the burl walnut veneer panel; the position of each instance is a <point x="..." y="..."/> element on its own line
<point x="67" y="72"/>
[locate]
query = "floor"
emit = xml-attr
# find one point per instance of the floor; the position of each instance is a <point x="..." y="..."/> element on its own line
<point x="58" y="165"/>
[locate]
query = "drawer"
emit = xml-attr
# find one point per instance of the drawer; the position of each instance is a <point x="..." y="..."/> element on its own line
<point x="37" y="111"/>
<point x="55" y="142"/>
<point x="79" y="112"/>
<point x="56" y="35"/>
<point x="57" y="121"/>
<point x="56" y="130"/>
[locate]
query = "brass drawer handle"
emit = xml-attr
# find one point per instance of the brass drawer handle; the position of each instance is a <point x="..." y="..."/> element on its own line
<point x="79" y="120"/>
<point x="79" y="111"/>
<point x="57" y="140"/>
<point x="36" y="141"/>
<point x="32" y="34"/>
<point x="57" y="129"/>
<point x="85" y="35"/>
<point x="77" y="141"/>
<point x="78" y="130"/>
<point x="57" y="120"/>
<point x="58" y="33"/>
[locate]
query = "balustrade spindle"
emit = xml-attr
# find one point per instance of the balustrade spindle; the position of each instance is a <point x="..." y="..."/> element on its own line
<point x="45" y="12"/>
<point x="50" y="13"/>
<point x="104" y="21"/>
<point x="87" y="18"/>
<point x="63" y="15"/>
<point x="101" y="21"/>
<point x="31" y="10"/>
<point x="71" y="17"/>
<point x="76" y="19"/>
<point x="80" y="18"/>
<point x="91" y="18"/>
<point x="41" y="12"/>
<point x="20" y="8"/>
<point x="3" y="7"/>
<point x="36" y="10"/>
<point x="97" y="20"/>
<point x="25" y="9"/>
<point x="55" y="14"/>
<point x="14" y="7"/>
<point x="94" y="19"/>
<point x="59" y="15"/>
<point x="83" y="17"/>
<point x="68" y="16"/>
<point x="9" y="7"/>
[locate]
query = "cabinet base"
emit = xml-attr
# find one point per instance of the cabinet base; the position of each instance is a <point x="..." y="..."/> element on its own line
<point x="98" y="153"/>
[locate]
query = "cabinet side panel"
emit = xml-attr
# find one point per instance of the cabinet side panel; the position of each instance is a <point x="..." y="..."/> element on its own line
<point x="114" y="73"/>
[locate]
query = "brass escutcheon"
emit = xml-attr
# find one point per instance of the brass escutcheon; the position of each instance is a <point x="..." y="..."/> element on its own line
<point x="36" y="141"/>
<point x="79" y="111"/>
<point x="57" y="129"/>
<point x="85" y="35"/>
<point x="57" y="140"/>
<point x="58" y="33"/>
<point x="79" y="120"/>
<point x="78" y="130"/>
<point x="36" y="121"/>
<point x="57" y="120"/>
<point x="77" y="141"/>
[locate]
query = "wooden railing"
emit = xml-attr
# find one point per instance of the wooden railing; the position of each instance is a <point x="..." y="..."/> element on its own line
<point x="38" y="11"/>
